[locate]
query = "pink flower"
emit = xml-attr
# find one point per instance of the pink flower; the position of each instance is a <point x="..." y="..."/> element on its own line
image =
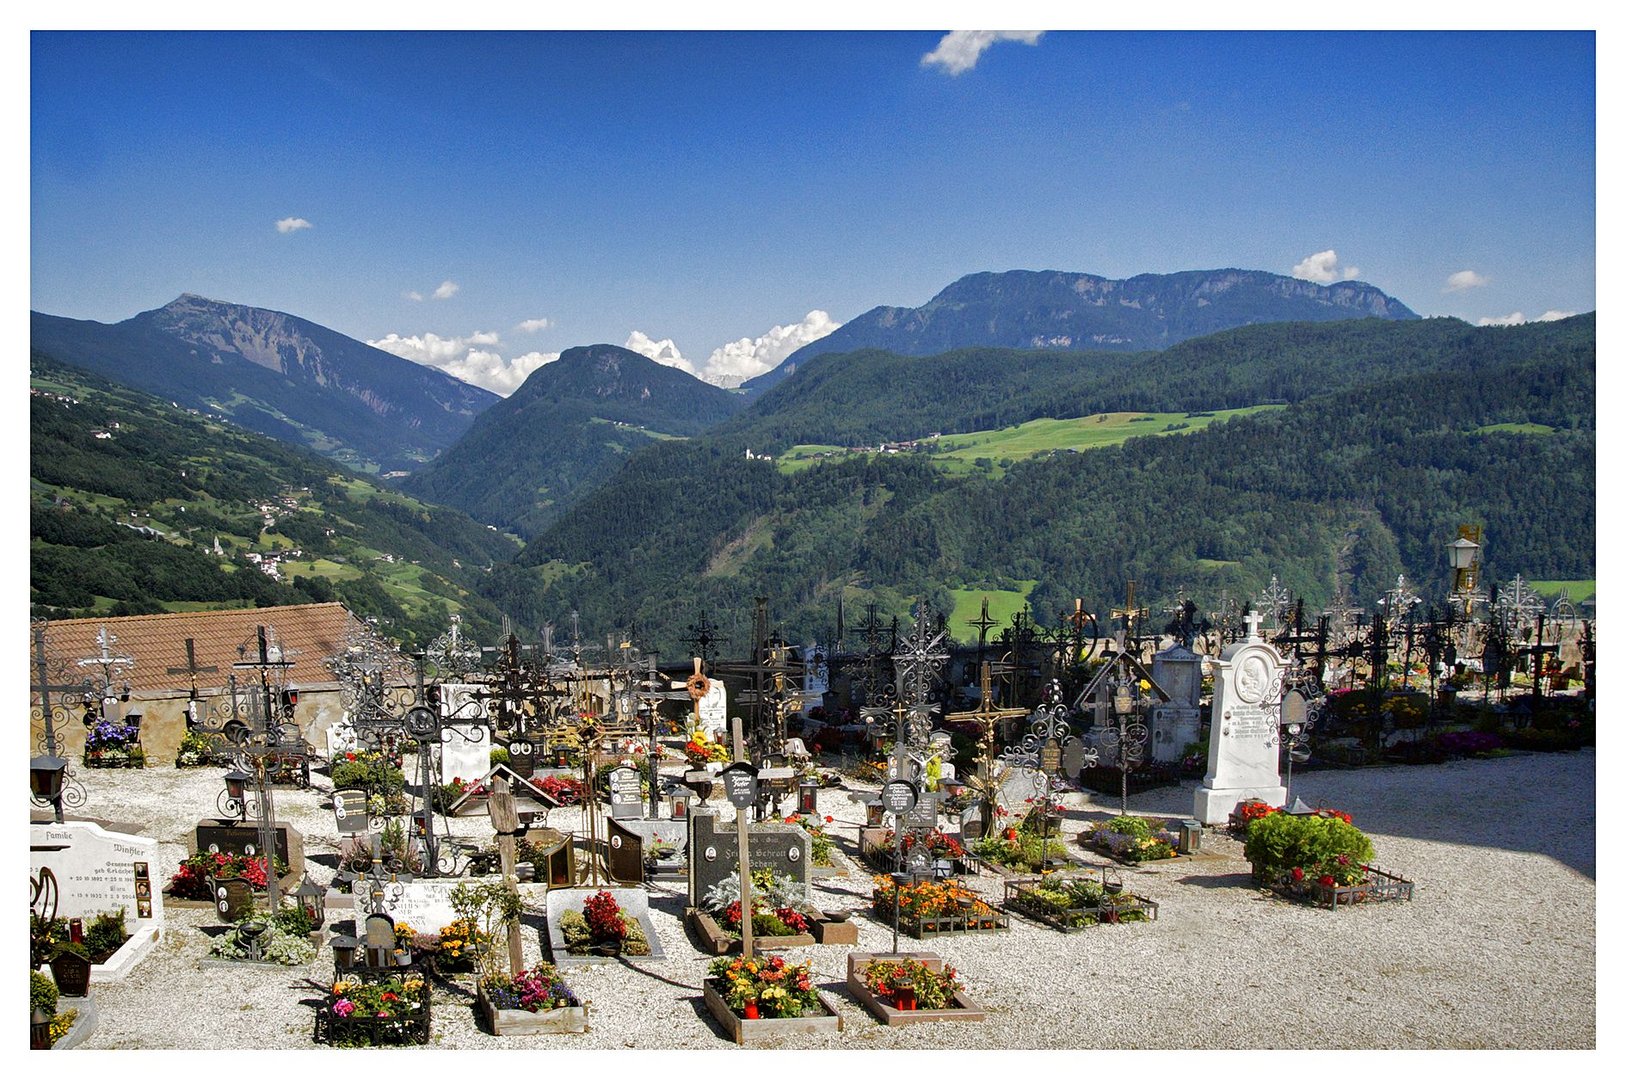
<point x="343" y="1007"/>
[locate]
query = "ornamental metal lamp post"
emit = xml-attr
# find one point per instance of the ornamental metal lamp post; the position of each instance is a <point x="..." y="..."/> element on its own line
<point x="46" y="774"/>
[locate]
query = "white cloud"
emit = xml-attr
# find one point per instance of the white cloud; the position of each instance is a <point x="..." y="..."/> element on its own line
<point x="447" y="290"/>
<point x="1465" y="279"/>
<point x="1517" y="317"/>
<point x="746" y="358"/>
<point x="664" y="351"/>
<point x="1323" y="268"/>
<point x="414" y="295"/>
<point x="531" y="326"/>
<point x="293" y="224"/>
<point x="960" y="50"/>
<point x="472" y="359"/>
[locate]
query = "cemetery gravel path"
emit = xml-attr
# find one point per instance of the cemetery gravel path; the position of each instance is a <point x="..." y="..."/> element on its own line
<point x="1496" y="950"/>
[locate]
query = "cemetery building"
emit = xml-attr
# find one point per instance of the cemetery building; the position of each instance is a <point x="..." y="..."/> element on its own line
<point x="160" y="671"/>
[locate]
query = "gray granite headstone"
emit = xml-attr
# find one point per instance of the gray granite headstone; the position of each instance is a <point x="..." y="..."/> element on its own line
<point x="714" y="852"/>
<point x="350" y="811"/>
<point x="626" y="798"/>
<point x="244" y="839"/>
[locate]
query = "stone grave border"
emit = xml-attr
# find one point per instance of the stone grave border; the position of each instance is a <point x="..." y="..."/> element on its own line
<point x="744" y="1031"/>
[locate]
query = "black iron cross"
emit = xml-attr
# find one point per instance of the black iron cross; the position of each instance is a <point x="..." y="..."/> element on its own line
<point x="192" y="671"/>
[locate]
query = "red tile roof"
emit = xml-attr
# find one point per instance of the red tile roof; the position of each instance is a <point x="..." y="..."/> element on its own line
<point x="308" y="633"/>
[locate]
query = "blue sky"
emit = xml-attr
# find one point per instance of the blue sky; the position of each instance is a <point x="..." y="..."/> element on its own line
<point x="697" y="189"/>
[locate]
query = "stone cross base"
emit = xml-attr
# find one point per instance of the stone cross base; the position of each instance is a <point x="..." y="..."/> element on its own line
<point x="1214" y="805"/>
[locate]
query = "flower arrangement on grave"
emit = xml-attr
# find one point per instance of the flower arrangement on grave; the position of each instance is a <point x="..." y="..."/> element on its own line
<point x="939" y="845"/>
<point x="1470" y="743"/>
<point x="927" y="899"/>
<point x="778" y="906"/>
<point x="101" y="938"/>
<point x="564" y="790"/>
<point x="1133" y="839"/>
<point x="1016" y="849"/>
<point x="191" y="881"/>
<point x="282" y="938"/>
<point x="395" y="998"/>
<point x="871" y="772"/>
<point x="601" y="926"/>
<point x="535" y="990"/>
<point x="700" y="749"/>
<point x="444" y="795"/>
<point x="195" y="751"/>
<point x="823" y="847"/>
<point x="1289" y="852"/>
<point x="910" y="984"/>
<point x="758" y="988"/>
<point x="1250" y="810"/>
<point x="460" y="943"/>
<point x="484" y="914"/>
<point x="110" y="744"/>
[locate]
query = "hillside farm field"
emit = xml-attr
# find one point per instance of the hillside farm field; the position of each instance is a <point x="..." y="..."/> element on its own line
<point x="992" y="451"/>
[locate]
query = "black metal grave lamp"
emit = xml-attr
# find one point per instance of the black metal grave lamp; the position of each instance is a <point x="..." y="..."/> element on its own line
<point x="45" y="776"/>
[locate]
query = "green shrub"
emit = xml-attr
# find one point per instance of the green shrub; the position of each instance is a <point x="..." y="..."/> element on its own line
<point x="41" y="993"/>
<point x="499" y="756"/>
<point x="369" y="772"/>
<point x="1280" y="843"/>
<point x="105" y="934"/>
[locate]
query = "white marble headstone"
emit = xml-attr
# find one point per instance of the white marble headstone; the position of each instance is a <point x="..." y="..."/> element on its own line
<point x="465" y="752"/>
<point x="1244" y="753"/>
<point x="97" y="870"/>
<point x="341" y="737"/>
<point x="714" y="711"/>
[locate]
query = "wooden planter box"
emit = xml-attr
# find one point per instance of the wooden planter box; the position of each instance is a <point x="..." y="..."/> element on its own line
<point x="566" y="1021"/>
<point x="744" y="1031"/>
<point x="1379" y="886"/>
<point x="964" y="1007"/>
<point x="713" y="939"/>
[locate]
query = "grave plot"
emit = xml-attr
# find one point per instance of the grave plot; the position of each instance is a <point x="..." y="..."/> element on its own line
<point x="934" y="908"/>
<point x="909" y="988"/>
<point x="1132" y="840"/>
<point x="1317" y="857"/>
<point x="766" y="997"/>
<point x="1069" y="903"/>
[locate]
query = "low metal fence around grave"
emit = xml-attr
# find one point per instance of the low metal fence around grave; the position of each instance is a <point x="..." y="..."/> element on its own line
<point x="1071" y="904"/>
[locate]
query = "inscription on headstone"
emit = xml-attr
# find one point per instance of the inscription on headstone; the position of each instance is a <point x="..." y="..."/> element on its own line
<point x="626" y="798"/>
<point x="98" y="870"/>
<point x="350" y="811"/>
<point x="715" y="853"/>
<point x="241" y="839"/>
<point x="740" y="784"/>
<point x="1244" y="755"/>
<point x="923" y="815"/>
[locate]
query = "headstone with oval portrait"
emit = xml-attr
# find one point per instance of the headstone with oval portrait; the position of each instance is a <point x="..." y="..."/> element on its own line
<point x="714" y="852"/>
<point x="1244" y="742"/>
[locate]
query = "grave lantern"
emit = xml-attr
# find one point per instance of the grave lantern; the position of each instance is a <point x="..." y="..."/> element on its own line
<point x="235" y="780"/>
<point x="680" y="804"/>
<point x="344" y="951"/>
<point x="45" y="776"/>
<point x="807" y="795"/>
<point x="39" y="1030"/>
<point x="312" y="902"/>
<point x="1191" y="836"/>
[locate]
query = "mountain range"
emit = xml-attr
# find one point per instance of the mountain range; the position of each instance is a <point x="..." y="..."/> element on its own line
<point x="981" y="443"/>
<point x="1053" y="309"/>
<point x="278" y="375"/>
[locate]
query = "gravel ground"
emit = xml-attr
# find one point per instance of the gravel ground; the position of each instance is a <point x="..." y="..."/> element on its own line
<point x="1464" y="965"/>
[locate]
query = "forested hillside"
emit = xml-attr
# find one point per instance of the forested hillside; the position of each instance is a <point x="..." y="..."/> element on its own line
<point x="1349" y="487"/>
<point x="129" y="496"/>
